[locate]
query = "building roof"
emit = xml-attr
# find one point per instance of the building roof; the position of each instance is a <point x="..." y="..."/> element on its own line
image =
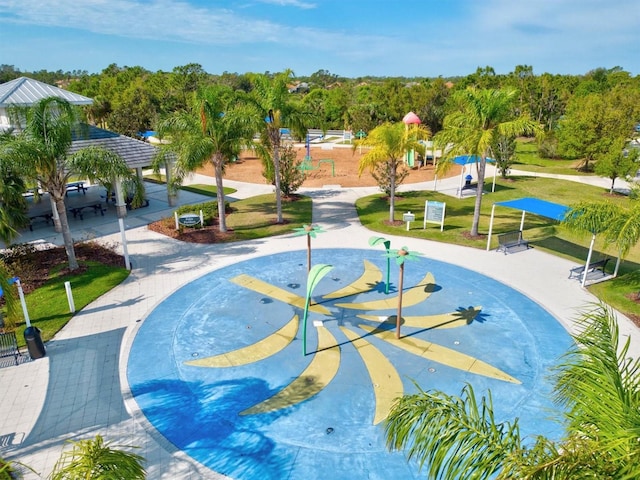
<point x="136" y="153"/>
<point x="26" y="91"/>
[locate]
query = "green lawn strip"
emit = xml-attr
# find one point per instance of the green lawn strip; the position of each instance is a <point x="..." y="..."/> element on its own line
<point x="255" y="217"/>
<point x="529" y="160"/>
<point x="208" y="190"/>
<point x="48" y="306"/>
<point x="543" y="233"/>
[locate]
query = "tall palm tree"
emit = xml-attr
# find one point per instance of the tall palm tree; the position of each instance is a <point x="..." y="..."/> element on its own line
<point x="42" y="149"/>
<point x="274" y="106"/>
<point x="388" y="144"/>
<point x="214" y="129"/>
<point x="596" y="383"/>
<point x="619" y="225"/>
<point x="481" y="116"/>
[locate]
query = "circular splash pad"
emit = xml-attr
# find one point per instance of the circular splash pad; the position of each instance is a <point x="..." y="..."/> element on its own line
<point x="218" y="367"/>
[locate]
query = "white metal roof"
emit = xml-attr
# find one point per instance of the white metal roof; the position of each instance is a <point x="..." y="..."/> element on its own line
<point x="26" y="91"/>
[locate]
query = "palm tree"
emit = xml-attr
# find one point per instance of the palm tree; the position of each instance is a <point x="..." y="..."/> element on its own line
<point x="271" y="98"/>
<point x="42" y="149"/>
<point x="480" y="118"/>
<point x="215" y="129"/>
<point x="98" y="460"/>
<point x="401" y="256"/>
<point x="596" y="383"/>
<point x="13" y="206"/>
<point x="388" y="144"/>
<point x="619" y="225"/>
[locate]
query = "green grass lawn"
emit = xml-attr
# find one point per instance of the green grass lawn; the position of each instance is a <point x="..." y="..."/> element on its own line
<point x="48" y="306"/>
<point x="209" y="190"/>
<point x="529" y="160"/>
<point x="543" y="233"/>
<point x="255" y="217"/>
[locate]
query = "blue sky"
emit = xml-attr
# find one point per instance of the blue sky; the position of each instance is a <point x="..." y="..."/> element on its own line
<point x="349" y="38"/>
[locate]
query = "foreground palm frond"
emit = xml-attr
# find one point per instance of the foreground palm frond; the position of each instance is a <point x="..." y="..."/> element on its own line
<point x="599" y="386"/>
<point x="455" y="437"/>
<point x="98" y="460"/>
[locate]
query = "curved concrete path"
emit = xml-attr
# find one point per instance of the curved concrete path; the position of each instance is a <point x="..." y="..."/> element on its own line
<point x="79" y="389"/>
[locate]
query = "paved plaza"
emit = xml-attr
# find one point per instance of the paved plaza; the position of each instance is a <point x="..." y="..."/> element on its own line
<point x="136" y="365"/>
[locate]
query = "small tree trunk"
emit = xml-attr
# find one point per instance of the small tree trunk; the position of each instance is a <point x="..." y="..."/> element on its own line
<point x="275" y="140"/>
<point x="66" y="233"/>
<point x="479" y="189"/>
<point x="392" y="192"/>
<point x="222" y="219"/>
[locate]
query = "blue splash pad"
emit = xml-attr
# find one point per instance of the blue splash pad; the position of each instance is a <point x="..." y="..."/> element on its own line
<point x="331" y="433"/>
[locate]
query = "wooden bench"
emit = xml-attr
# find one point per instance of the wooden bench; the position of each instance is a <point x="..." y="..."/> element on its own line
<point x="96" y="207"/>
<point x="577" y="272"/>
<point x="9" y="346"/>
<point x="509" y="240"/>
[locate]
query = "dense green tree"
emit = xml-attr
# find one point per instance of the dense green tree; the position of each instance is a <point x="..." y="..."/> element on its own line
<point x="479" y="118"/>
<point x="618" y="163"/>
<point x="503" y="150"/>
<point x="214" y="129"/>
<point x="595" y="124"/>
<point x="388" y="145"/>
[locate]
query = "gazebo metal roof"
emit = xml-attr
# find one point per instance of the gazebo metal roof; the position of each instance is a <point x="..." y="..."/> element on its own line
<point x="25" y="91"/>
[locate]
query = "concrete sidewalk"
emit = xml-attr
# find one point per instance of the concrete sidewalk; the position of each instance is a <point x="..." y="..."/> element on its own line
<point x="79" y="389"/>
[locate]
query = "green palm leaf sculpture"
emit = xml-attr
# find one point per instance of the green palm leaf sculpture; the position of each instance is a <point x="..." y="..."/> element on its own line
<point x="310" y="231"/>
<point x="313" y="278"/>
<point x="373" y="241"/>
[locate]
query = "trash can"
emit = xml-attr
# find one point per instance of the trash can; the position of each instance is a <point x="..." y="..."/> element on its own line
<point x="467" y="180"/>
<point x="34" y="342"/>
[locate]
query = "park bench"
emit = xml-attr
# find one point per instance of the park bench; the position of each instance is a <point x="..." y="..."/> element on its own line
<point x="95" y="206"/>
<point x="577" y="272"/>
<point x="509" y="240"/>
<point x="9" y="346"/>
<point x="76" y="187"/>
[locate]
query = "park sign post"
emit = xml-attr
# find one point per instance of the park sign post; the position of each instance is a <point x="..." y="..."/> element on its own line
<point x="434" y="213"/>
<point x="189" y="219"/>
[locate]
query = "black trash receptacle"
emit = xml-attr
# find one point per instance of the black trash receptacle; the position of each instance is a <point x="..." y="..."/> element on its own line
<point x="34" y="342"/>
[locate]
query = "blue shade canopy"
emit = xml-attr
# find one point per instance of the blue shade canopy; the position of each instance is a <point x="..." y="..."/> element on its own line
<point x="538" y="207"/>
<point x="466" y="159"/>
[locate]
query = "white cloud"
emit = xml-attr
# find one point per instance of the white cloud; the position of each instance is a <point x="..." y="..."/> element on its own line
<point x="290" y="3"/>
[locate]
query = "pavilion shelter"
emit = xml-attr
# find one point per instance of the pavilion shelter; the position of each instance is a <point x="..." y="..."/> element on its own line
<point x="536" y="206"/>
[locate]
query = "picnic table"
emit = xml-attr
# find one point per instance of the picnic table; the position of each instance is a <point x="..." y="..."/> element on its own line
<point x="95" y="206"/>
<point x="76" y="187"/>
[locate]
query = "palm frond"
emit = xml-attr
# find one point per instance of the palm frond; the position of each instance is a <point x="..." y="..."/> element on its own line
<point x="452" y="437"/>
